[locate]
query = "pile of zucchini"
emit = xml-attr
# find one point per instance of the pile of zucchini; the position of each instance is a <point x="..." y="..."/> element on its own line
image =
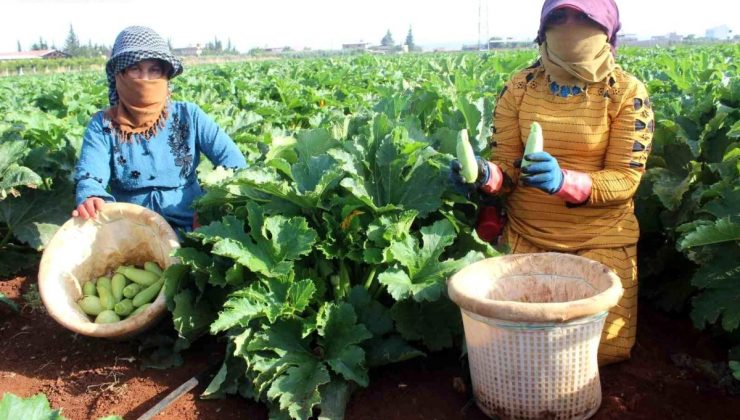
<point x="125" y="294"/>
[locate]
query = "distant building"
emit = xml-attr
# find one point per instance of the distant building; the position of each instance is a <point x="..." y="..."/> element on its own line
<point x="383" y="49"/>
<point x="508" y="42"/>
<point x="627" y="39"/>
<point x="30" y="55"/>
<point x="188" y="51"/>
<point x="276" y="50"/>
<point x="719" y="32"/>
<point x="673" y="37"/>
<point x="356" y="46"/>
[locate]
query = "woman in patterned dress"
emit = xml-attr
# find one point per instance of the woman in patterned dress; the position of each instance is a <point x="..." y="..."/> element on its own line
<point x="577" y="195"/>
<point x="144" y="148"/>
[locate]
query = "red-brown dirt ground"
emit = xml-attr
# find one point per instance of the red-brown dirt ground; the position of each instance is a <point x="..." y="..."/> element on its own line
<point x="89" y="378"/>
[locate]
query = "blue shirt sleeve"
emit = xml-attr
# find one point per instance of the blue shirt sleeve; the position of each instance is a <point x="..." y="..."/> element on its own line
<point x="92" y="172"/>
<point x="218" y="147"/>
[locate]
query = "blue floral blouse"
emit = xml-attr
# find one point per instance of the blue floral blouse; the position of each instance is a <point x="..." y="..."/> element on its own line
<point x="158" y="173"/>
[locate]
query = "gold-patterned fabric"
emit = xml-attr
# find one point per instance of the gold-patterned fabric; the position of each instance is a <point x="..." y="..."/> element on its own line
<point x="620" y="328"/>
<point x="605" y="132"/>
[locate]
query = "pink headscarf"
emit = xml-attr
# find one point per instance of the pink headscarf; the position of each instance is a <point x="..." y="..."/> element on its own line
<point x="603" y="12"/>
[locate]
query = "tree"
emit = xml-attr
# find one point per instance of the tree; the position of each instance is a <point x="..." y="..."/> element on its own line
<point x="214" y="48"/>
<point x="41" y="45"/>
<point x="230" y="49"/>
<point x="410" y="40"/>
<point x="72" y="43"/>
<point x="19" y="46"/>
<point x="387" y="40"/>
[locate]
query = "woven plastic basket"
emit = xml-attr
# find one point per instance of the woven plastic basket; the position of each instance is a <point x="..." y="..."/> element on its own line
<point x="82" y="250"/>
<point x="532" y="326"/>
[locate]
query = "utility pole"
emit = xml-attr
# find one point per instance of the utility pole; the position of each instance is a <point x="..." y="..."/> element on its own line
<point x="488" y="36"/>
<point x="480" y="5"/>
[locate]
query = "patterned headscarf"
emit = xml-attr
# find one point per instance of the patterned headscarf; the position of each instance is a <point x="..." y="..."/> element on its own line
<point x="134" y="44"/>
<point x="603" y="12"/>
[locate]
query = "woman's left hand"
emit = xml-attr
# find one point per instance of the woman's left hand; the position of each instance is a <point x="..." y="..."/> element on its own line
<point x="543" y="172"/>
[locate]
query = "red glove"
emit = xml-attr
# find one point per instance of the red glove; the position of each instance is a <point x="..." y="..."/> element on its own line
<point x="490" y="223"/>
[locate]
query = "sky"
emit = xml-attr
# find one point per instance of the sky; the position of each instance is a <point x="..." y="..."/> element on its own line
<point x="326" y="24"/>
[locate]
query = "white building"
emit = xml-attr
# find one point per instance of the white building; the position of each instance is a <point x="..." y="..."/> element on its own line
<point x="188" y="51"/>
<point x="719" y="32"/>
<point x="28" y="55"/>
<point x="356" y="46"/>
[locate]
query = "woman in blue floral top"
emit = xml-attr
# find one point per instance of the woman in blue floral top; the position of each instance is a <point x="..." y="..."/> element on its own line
<point x="144" y="149"/>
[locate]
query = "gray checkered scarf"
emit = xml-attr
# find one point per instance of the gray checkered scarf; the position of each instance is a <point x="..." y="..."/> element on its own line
<point x="134" y="44"/>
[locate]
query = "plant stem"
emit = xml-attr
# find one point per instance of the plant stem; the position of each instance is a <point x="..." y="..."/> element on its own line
<point x="7" y="237"/>
<point x="343" y="277"/>
<point x="370" y="278"/>
<point x="376" y="293"/>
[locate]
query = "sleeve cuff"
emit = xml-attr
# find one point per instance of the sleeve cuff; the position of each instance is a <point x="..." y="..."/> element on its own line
<point x="576" y="187"/>
<point x="86" y="191"/>
<point x="495" y="179"/>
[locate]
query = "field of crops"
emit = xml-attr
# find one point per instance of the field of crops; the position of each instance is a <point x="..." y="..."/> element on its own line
<point x="328" y="257"/>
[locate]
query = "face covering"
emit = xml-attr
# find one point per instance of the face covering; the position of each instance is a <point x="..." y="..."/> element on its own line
<point x="141" y="108"/>
<point x="576" y="54"/>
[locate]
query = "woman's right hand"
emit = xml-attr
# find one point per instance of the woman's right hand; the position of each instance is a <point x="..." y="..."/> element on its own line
<point x="458" y="182"/>
<point x="89" y="208"/>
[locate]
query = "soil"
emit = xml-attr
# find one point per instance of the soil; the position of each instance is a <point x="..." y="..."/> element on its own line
<point x="89" y="378"/>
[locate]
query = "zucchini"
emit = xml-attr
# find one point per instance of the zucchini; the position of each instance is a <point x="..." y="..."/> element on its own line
<point x="137" y="275"/>
<point x="147" y="295"/>
<point x="91" y="305"/>
<point x="106" y="297"/>
<point x="124" y="307"/>
<point x="107" y="317"/>
<point x="117" y="283"/>
<point x="466" y="156"/>
<point x="153" y="267"/>
<point x="140" y="309"/>
<point x="131" y="290"/>
<point x="535" y="142"/>
<point x="88" y="289"/>
<point x="103" y="282"/>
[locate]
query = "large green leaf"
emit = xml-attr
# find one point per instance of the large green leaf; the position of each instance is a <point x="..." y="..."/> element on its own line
<point x="669" y="186"/>
<point x="402" y="176"/>
<point x="10" y="153"/>
<point x="298" y="389"/>
<point x="295" y="377"/>
<point x="340" y="336"/>
<point x="420" y="273"/>
<point x="722" y="230"/>
<point x="270" y="247"/>
<point x="726" y="200"/>
<point x="441" y="324"/>
<point x="31" y="408"/>
<point x="313" y="161"/>
<point x="36" y="215"/>
<point x="370" y="312"/>
<point x="237" y="311"/>
<point x="272" y="299"/>
<point x="191" y="316"/>
<point x="388" y="350"/>
<point x="15" y="176"/>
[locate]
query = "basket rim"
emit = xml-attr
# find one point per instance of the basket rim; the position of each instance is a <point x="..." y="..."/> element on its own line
<point x="130" y="326"/>
<point x="546" y="312"/>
